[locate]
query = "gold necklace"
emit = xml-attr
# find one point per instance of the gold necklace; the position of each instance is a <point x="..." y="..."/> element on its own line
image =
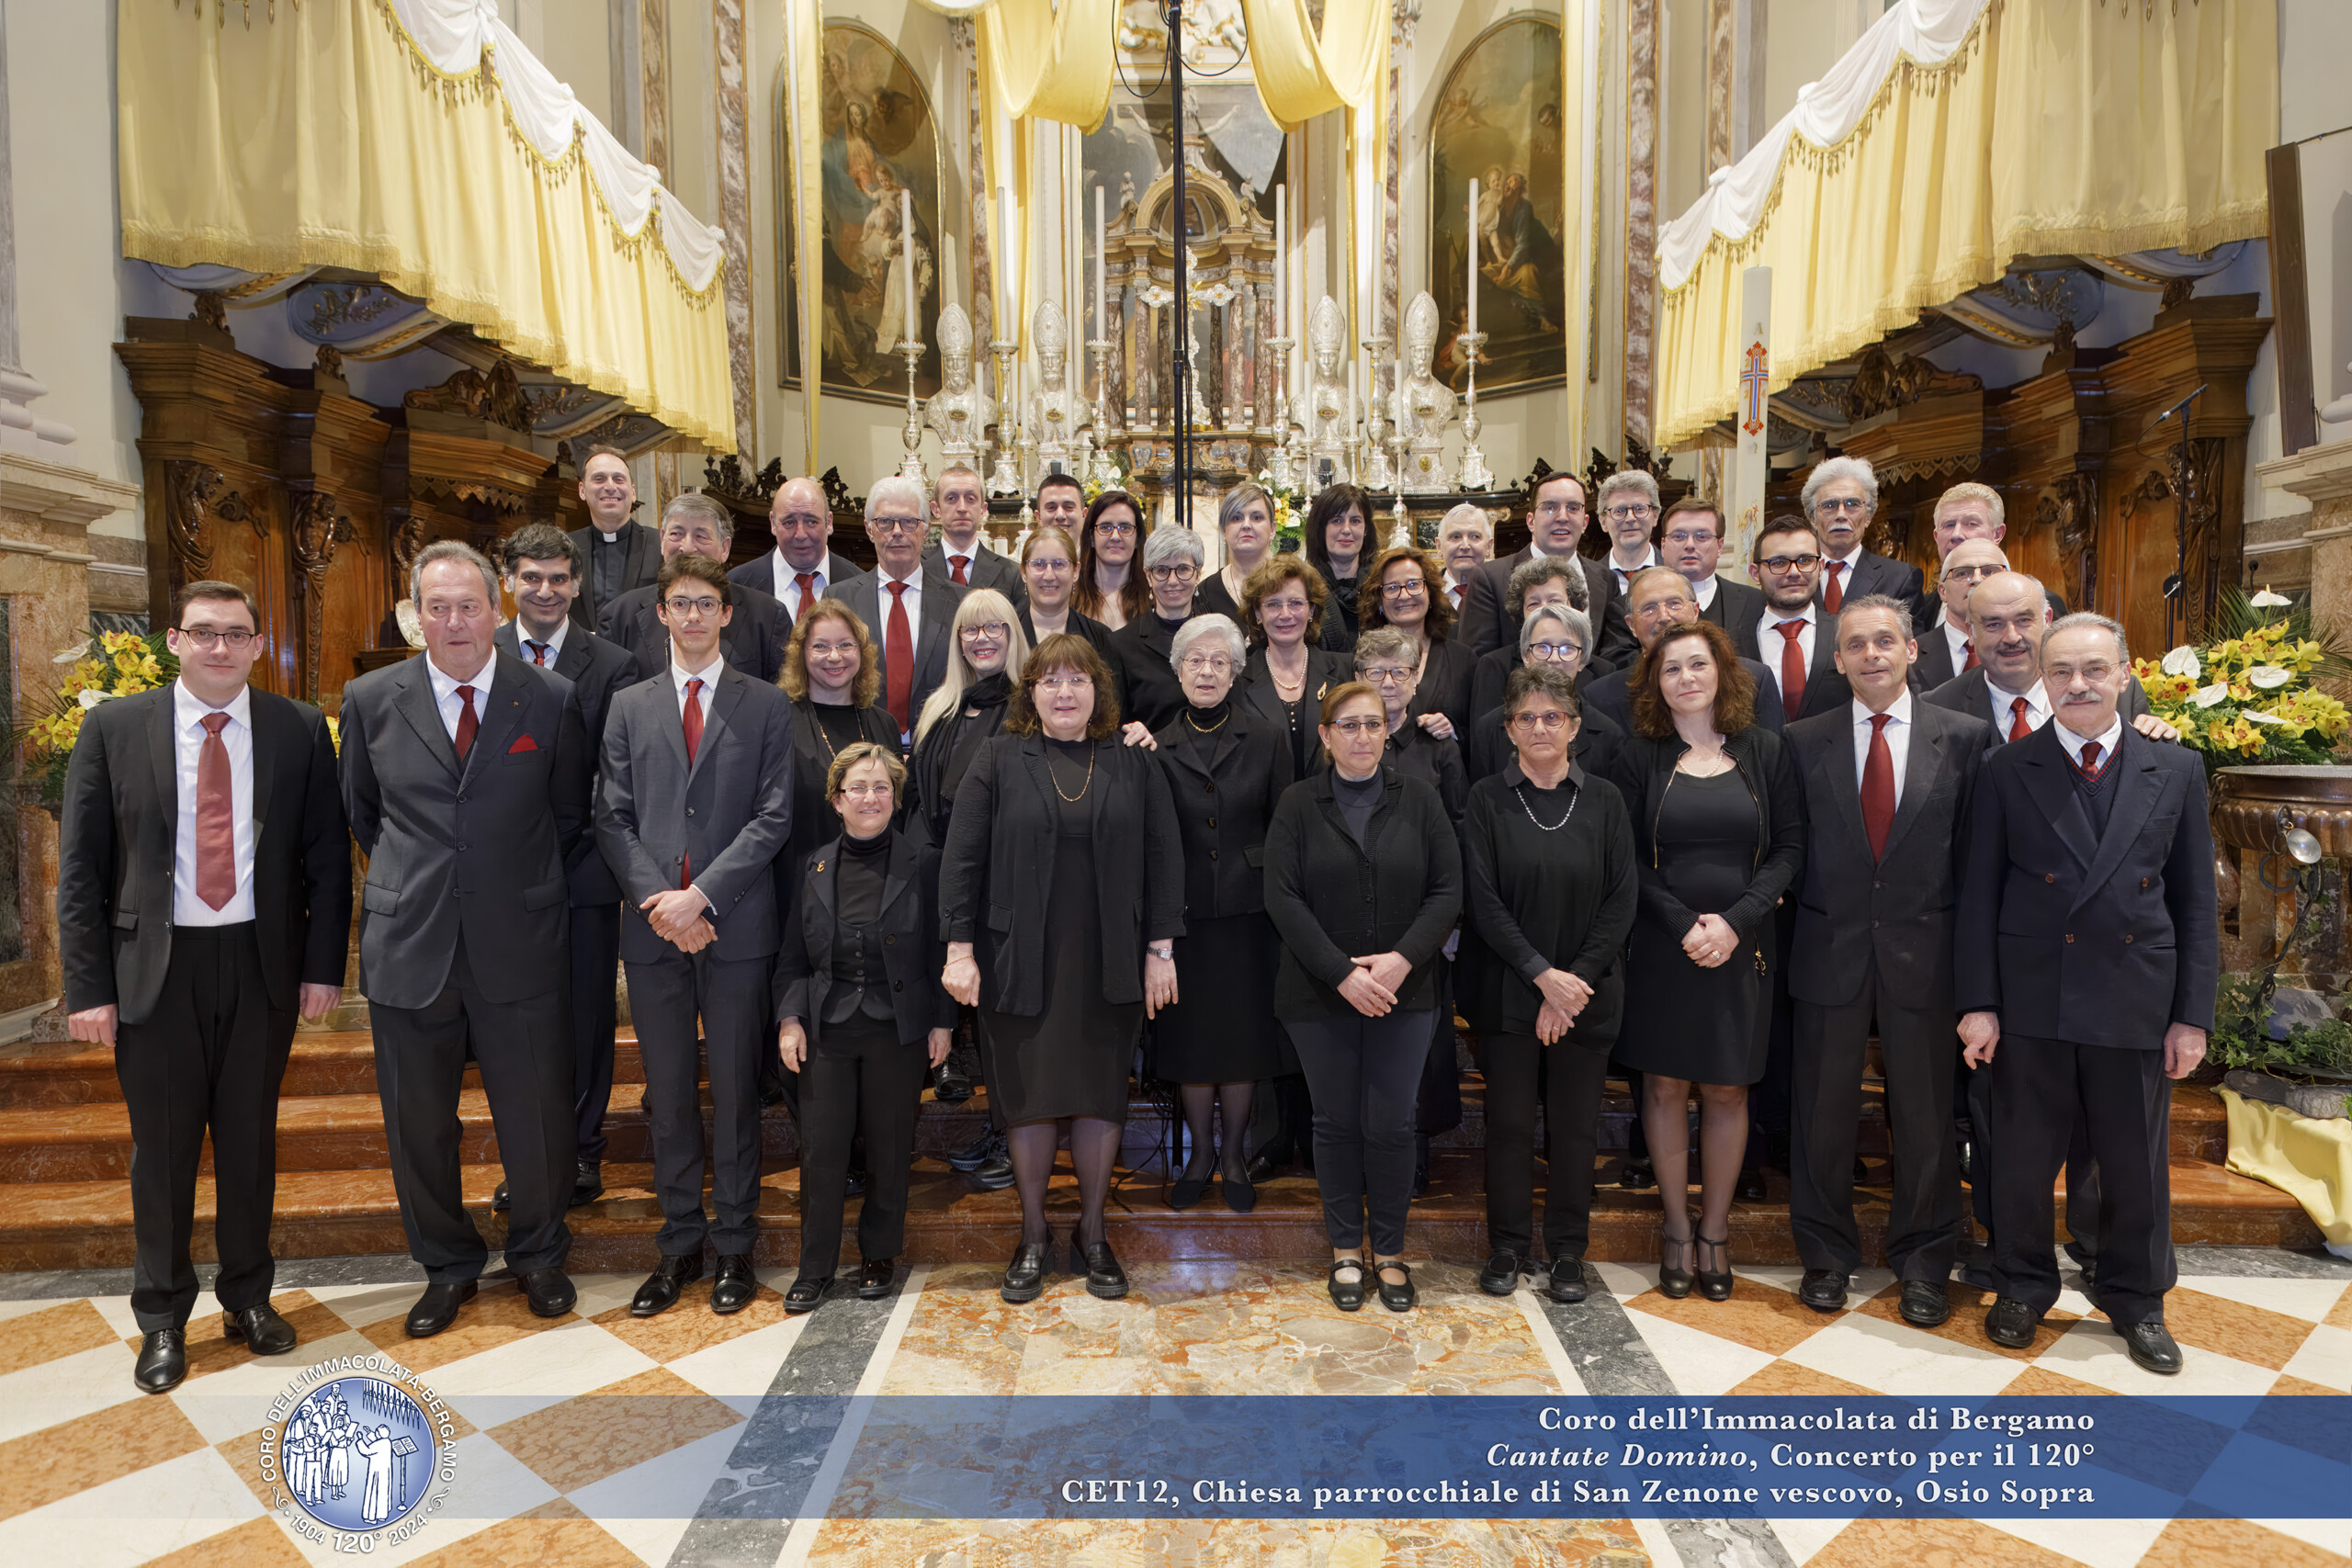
<point x="1072" y="799"/>
<point x="1210" y="729"/>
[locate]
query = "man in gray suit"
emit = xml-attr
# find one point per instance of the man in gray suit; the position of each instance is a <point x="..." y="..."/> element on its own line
<point x="695" y="805"/>
<point x="910" y="613"/>
<point x="465" y="777"/>
<point x="696" y="525"/>
<point x="959" y="507"/>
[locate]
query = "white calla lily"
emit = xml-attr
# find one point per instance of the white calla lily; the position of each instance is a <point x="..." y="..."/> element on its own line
<point x="92" y="697"/>
<point x="2269" y="677"/>
<point x="2206" y="696"/>
<point x="2267" y="600"/>
<point x="2182" y="661"/>
<point x="2264" y="718"/>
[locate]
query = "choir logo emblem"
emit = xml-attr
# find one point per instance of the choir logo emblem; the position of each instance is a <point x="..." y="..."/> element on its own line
<point x="355" y="1450"/>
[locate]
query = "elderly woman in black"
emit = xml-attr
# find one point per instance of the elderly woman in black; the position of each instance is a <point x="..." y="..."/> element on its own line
<point x="1061" y="896"/>
<point x="1226" y="770"/>
<point x="861" y="1013"/>
<point x="1148" y="694"/>
<point x="1364" y="880"/>
<point x="1388" y="660"/>
<point x="1282" y="607"/>
<point x="1337" y="526"/>
<point x="1548" y="875"/>
<point x="1558" y="637"/>
<point x="1718" y="838"/>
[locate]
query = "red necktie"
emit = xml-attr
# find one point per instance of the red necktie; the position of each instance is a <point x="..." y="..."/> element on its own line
<point x="1833" y="593"/>
<point x="468" y="722"/>
<point x="898" y="659"/>
<point x="1970" y="647"/>
<point x="694" y="743"/>
<point x="216" y="819"/>
<point x="962" y="566"/>
<point x="1791" y="668"/>
<point x="808" y="581"/>
<point x="1878" y="788"/>
<point x="2090" y="763"/>
<point x="538" y="652"/>
<point x="2019" y="727"/>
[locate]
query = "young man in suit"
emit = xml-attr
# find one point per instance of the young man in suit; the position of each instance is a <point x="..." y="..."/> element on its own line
<point x="203" y="901"/>
<point x="1840" y="497"/>
<point x="620" y="553"/>
<point x="1690" y="535"/>
<point x="801" y="568"/>
<point x="1971" y="511"/>
<point x="696" y="525"/>
<point x="2087" y="963"/>
<point x="695" y="805"/>
<point x="1886" y="789"/>
<point x="543" y="576"/>
<point x="1789" y="634"/>
<point x="910" y="614"/>
<point x="1948" y="646"/>
<point x="1062" y="504"/>
<point x="464" y="776"/>
<point x="959" y="506"/>
<point x="1555" y="519"/>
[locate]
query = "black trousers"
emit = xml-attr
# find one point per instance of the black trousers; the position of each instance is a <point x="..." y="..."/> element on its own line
<point x="730" y="998"/>
<point x="1571" y="1077"/>
<point x="2040" y="1087"/>
<point x="1922" y="1219"/>
<point x="211" y="1055"/>
<point x="595" y="973"/>
<point x="861" y="1081"/>
<point x="525" y="1052"/>
<point x="1366" y="1076"/>
<point x="2082" y="1171"/>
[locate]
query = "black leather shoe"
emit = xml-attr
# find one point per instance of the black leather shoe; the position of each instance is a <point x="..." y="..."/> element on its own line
<point x="874" y="1276"/>
<point x="1637" y="1176"/>
<point x="1346" y="1294"/>
<point x="1751" y="1187"/>
<point x="662" y="1287"/>
<point x="1715" y="1284"/>
<point x="974" y="1155"/>
<point x="502" y="1201"/>
<point x="438" y="1308"/>
<point x="587" y="1183"/>
<point x="1566" y="1285"/>
<point x="995" y="1173"/>
<point x="1501" y="1276"/>
<point x="1396" y="1298"/>
<point x="1925" y="1304"/>
<point x="736" y="1286"/>
<point x="1674" y="1281"/>
<point x="805" y="1294"/>
<point x="2151" y="1347"/>
<point x="2012" y="1322"/>
<point x="1240" y="1194"/>
<point x="264" y="1332"/>
<point x="954" y="1085"/>
<point x="854" y="1183"/>
<point x="1184" y="1192"/>
<point x="549" y="1291"/>
<point x="1823" y="1290"/>
<point x="162" y="1360"/>
<point x="1262" y="1167"/>
<point x="1025" y="1277"/>
<point x="1105" y="1281"/>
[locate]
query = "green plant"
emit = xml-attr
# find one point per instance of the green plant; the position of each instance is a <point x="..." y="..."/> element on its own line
<point x="2241" y="1036"/>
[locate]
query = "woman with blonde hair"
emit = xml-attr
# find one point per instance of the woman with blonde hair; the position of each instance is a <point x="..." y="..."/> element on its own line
<point x="967" y="710"/>
<point x="1246" y="518"/>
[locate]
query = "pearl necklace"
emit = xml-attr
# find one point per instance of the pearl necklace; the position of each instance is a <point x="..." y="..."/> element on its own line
<point x="1521" y="791"/>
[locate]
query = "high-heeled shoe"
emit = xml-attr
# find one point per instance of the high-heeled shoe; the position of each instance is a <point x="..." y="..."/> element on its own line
<point x="1025" y="1277"/>
<point x="1674" y="1283"/>
<point x="1105" y="1281"/>
<point x="1715" y="1285"/>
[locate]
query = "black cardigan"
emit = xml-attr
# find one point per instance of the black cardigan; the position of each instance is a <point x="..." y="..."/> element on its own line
<point x="814" y="820"/>
<point x="912" y="954"/>
<point x="1538" y="900"/>
<point x="1332" y="900"/>
<point x="999" y="867"/>
<point x="1226" y="785"/>
<point x="1644" y="772"/>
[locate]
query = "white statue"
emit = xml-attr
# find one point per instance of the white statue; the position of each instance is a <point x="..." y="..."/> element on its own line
<point x="1055" y="412"/>
<point x="1329" y="416"/>
<point x="1424" y="404"/>
<point x="960" y="410"/>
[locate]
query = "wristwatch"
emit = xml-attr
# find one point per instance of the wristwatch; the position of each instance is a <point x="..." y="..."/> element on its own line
<point x="1166" y="950"/>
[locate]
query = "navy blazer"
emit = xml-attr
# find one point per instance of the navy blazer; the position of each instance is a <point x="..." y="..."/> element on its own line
<point x="596" y="668"/>
<point x="1971" y="694"/>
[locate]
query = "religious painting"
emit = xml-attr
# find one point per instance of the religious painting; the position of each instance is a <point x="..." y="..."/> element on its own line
<point x="1498" y="122"/>
<point x="878" y="140"/>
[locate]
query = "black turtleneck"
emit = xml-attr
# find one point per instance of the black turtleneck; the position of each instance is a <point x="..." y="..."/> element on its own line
<point x="1203" y="722"/>
<point x="858" y="885"/>
<point x="988" y="690"/>
<point x="1356" y="799"/>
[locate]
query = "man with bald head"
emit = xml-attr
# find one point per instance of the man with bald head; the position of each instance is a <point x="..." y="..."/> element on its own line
<point x="802" y="523"/>
<point x="1661" y="598"/>
<point x="1969" y="511"/>
<point x="2007" y="613"/>
<point x="1947" y="647"/>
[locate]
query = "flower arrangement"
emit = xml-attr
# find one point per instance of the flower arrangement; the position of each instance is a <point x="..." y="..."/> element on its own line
<point x="1289" y="511"/>
<point x="111" y="665"/>
<point x="2248" y="696"/>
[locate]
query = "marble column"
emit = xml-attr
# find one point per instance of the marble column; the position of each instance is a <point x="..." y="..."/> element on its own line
<point x="1404" y="20"/>
<point x="2322" y="476"/>
<point x="653" y="78"/>
<point x="735" y="219"/>
<point x="1641" y="213"/>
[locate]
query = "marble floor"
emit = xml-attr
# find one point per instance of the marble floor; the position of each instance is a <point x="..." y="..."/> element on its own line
<point x="694" y="1441"/>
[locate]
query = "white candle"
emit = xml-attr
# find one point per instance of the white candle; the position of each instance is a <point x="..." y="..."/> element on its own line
<point x="1007" y="287"/>
<point x="1348" y="414"/>
<point x="1101" y="270"/>
<point x="1282" y="233"/>
<point x="906" y="250"/>
<point x="946" y="270"/>
<point x="1474" y="257"/>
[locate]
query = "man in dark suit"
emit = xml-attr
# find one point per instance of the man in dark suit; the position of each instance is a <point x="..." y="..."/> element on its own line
<point x="2008" y="617"/>
<point x="1465" y="541"/>
<point x="1661" y="599"/>
<point x="1971" y="511"/>
<point x="962" y="556"/>
<point x="1886" y="796"/>
<point x="695" y="805"/>
<point x="1691" y="538"/>
<point x="2087" y="963"/>
<point x="1627" y="510"/>
<point x="910" y="614"/>
<point x="620" y="553"/>
<point x="1555" y="519"/>
<point x="801" y="568"/>
<point x="1948" y="646"/>
<point x="464" y="776"/>
<point x="203" y="900"/>
<point x="696" y="525"/>
<point x="543" y="576"/>
<point x="1840" y="497"/>
<point x="1789" y="634"/>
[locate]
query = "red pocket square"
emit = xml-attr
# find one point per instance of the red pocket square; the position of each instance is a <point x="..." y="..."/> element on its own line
<point x="525" y="744"/>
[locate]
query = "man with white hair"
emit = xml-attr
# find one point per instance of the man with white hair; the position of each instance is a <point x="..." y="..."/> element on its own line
<point x="753" y="642"/>
<point x="1970" y="511"/>
<point x="1465" y="541"/>
<point x="1840" y="497"/>
<point x="911" y="613"/>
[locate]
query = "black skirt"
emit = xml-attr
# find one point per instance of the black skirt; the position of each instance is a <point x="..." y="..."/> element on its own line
<point x="1222" y="1029"/>
<point x="1683" y="1022"/>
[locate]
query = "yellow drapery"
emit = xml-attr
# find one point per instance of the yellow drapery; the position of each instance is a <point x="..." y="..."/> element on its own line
<point x="2061" y="126"/>
<point x="1051" y="59"/>
<point x="804" y="49"/>
<point x="322" y="138"/>
<point x="2305" y="1157"/>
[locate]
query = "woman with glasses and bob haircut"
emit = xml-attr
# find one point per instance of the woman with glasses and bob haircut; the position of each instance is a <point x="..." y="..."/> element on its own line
<point x="1149" y="693"/>
<point x="1405" y="588"/>
<point x="1061" y="895"/>
<point x="1110" y="586"/>
<point x="1363" y="882"/>
<point x="1227" y="767"/>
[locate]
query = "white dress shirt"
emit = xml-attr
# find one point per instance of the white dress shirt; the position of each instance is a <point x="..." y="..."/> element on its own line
<point x="1625" y="573"/>
<point x="785" y="575"/>
<point x="1958" y="640"/>
<point x="1704" y="591"/>
<point x="882" y="597"/>
<point x="1847" y="563"/>
<point x="707" y="675"/>
<point x="187" y="747"/>
<point x="445" y="693"/>
<point x="949" y="555"/>
<point x="2109" y="739"/>
<point x="1898" y="740"/>
<point x="2037" y="706"/>
<point x="554" y="641"/>
<point x="1769" y="639"/>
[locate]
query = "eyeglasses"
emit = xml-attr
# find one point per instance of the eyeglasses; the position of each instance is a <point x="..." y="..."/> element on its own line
<point x="1559" y="509"/>
<point x="1207" y="663"/>
<point x="1686" y="536"/>
<point x="237" y="638"/>
<point x="1553" y="719"/>
<point x="1281" y="606"/>
<point x="1629" y="513"/>
<point x="985" y="631"/>
<point x="894" y="524"/>
<point x="1355" y="728"/>
<point x="1181" y="572"/>
<point x="703" y="606"/>
<point x="1779" y="564"/>
<point x="1836" y="504"/>
<point x="1971" y="573"/>
<point x="1676" y="608"/>
<point x="1048" y="563"/>
<point x="1385" y="676"/>
<point x="1555" y="652"/>
<point x="1113" y="530"/>
<point x="1064" y="682"/>
<point x="1413" y="590"/>
<point x="866" y="791"/>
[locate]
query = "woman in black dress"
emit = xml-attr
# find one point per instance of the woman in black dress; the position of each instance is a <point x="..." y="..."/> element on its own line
<point x="1061" y="896"/>
<point x="1110" y="587"/>
<point x="1364" y="880"/>
<point x="1282" y="606"/>
<point x="967" y="710"/>
<point x="1548" y="878"/>
<point x="833" y="674"/>
<point x="1405" y="588"/>
<point x="1719" y="839"/>
<point x="1227" y="769"/>
<point x="1338" y="524"/>
<point x="1148" y="693"/>
<point x="857" y="990"/>
<point x="1049" y="576"/>
<point x="1246" y="518"/>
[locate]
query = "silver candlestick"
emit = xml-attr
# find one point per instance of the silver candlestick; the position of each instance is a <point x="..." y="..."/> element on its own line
<point x="1101" y="467"/>
<point x="1401" y="533"/>
<point x="1003" y="479"/>
<point x="1474" y="475"/>
<point x="911" y="432"/>
<point x="1376" y="460"/>
<point x="1283" y="459"/>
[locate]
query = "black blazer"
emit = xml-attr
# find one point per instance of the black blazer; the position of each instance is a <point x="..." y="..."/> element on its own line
<point x="1445" y="687"/>
<point x="1330" y="900"/>
<point x="760" y="572"/>
<point x="990" y="568"/>
<point x="863" y="594"/>
<point x="1931" y="605"/>
<point x="1150" y="692"/>
<point x="1853" y="907"/>
<point x="998" y="868"/>
<point x="1097" y="635"/>
<point x="1611" y="694"/>
<point x="1876" y="573"/>
<point x="640" y="567"/>
<point x="752" y="642"/>
<point x="912" y="953"/>
<point x="1225" y="785"/>
<point x="1485" y="624"/>
<point x="1824" y="687"/>
<point x="1933" y="668"/>
<point x="1735" y="604"/>
<point x="814" y="820"/>
<point x="1417" y="755"/>
<point x="1971" y="695"/>
<point x="1599" y="738"/>
<point x="120" y="830"/>
<point x="1645" y="772"/>
<point x="2096" y="939"/>
<point x="1536" y="900"/>
<point x="596" y="670"/>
